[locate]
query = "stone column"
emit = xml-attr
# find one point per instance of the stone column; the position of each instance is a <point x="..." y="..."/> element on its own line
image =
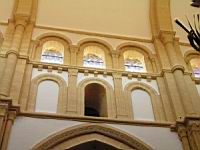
<point x="182" y="132"/>
<point x="72" y="92"/>
<point x="177" y="69"/>
<point x="12" y="58"/>
<point x="73" y="50"/>
<point x="121" y="103"/>
<point x="115" y="59"/>
<point x="9" y="123"/>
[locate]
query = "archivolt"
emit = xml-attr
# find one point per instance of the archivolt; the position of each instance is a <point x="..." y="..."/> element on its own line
<point x="155" y="98"/>
<point x="34" y="86"/>
<point x="68" y="138"/>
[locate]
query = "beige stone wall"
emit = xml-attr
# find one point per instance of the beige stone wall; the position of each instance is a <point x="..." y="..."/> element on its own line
<point x="169" y="77"/>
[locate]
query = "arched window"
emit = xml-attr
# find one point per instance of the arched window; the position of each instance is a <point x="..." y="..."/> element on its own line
<point x="134" y="61"/>
<point x="94" y="56"/>
<point x="53" y="52"/>
<point x="95" y="100"/>
<point x="142" y="106"/>
<point x="195" y="63"/>
<point x="47" y="97"/>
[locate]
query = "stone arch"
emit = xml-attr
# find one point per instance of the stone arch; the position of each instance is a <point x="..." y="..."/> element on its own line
<point x="62" y="91"/>
<point x="158" y="108"/>
<point x="148" y="55"/>
<point x="106" y="47"/>
<point x="111" y="105"/>
<point x="189" y="55"/>
<point x="79" y="134"/>
<point x="40" y="40"/>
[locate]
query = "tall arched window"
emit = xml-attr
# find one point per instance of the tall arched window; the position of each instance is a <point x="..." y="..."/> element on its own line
<point x="195" y="63"/>
<point x="47" y="97"/>
<point x="142" y="106"/>
<point x="95" y="100"/>
<point x="134" y="61"/>
<point x="94" y="56"/>
<point x="53" y="52"/>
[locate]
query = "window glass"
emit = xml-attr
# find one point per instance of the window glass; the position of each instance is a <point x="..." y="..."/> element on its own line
<point x="53" y="52"/>
<point x="94" y="57"/>
<point x="195" y="63"/>
<point x="134" y="61"/>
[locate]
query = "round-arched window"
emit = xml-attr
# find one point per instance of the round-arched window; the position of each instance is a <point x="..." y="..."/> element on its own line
<point x="94" y="56"/>
<point x="53" y="52"/>
<point x="195" y="63"/>
<point x="134" y="61"/>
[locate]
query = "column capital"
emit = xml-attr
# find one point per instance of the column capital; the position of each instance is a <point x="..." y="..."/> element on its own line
<point x="73" y="48"/>
<point x="116" y="75"/>
<point x="72" y="72"/>
<point x="115" y="54"/>
<point x="21" y="20"/>
<point x="167" y="36"/>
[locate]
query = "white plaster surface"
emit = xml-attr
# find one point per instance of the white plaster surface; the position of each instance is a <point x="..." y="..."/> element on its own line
<point x="47" y="97"/>
<point x="152" y="83"/>
<point x="63" y="75"/>
<point x="108" y="79"/>
<point x="142" y="106"/>
<point x="27" y="132"/>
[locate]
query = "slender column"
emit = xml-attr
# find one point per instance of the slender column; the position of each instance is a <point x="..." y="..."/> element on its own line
<point x="12" y="59"/>
<point x="115" y="59"/>
<point x="3" y="115"/>
<point x="72" y="91"/>
<point x="10" y="120"/>
<point x="168" y="40"/>
<point x="193" y="127"/>
<point x="73" y="50"/>
<point x="121" y="103"/>
<point x="182" y="132"/>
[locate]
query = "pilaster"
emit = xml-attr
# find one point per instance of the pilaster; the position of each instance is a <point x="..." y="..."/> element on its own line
<point x="72" y="92"/>
<point x="73" y="52"/>
<point x="115" y="59"/>
<point x="121" y="103"/>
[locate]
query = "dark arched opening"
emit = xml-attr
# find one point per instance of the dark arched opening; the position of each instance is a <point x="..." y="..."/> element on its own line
<point x="95" y="100"/>
<point x="93" y="145"/>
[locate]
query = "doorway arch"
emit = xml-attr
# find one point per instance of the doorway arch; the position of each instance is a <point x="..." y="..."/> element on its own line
<point x="82" y="134"/>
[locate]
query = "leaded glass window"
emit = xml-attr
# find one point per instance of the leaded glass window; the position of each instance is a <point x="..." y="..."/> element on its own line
<point x="195" y="63"/>
<point x="134" y="61"/>
<point x="94" y="57"/>
<point x="53" y="52"/>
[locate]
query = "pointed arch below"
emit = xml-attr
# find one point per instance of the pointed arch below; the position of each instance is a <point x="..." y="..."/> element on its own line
<point x="80" y="134"/>
<point x="111" y="104"/>
<point x="34" y="86"/>
<point x="157" y="105"/>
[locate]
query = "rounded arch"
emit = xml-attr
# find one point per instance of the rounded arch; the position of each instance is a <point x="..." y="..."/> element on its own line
<point x="146" y="52"/>
<point x="95" y="40"/>
<point x="34" y="86"/>
<point x="188" y="56"/>
<point x="70" y="137"/>
<point x="111" y="105"/>
<point x="42" y="39"/>
<point x="137" y="45"/>
<point x="106" y="47"/>
<point x="53" y="34"/>
<point x="158" y="108"/>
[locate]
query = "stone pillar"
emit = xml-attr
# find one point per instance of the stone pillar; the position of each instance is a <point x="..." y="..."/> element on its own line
<point x="73" y="51"/>
<point x="182" y="132"/>
<point x="9" y="123"/>
<point x="115" y="59"/>
<point x="12" y="58"/>
<point x="72" y="92"/>
<point x="177" y="69"/>
<point x="121" y="103"/>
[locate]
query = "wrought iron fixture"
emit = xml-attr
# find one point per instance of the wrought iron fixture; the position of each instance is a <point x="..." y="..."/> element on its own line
<point x="195" y="3"/>
<point x="194" y="31"/>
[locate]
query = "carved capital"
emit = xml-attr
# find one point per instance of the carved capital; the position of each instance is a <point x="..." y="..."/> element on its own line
<point x="72" y="72"/>
<point x="182" y="131"/>
<point x="167" y="36"/>
<point x="115" y="54"/>
<point x="73" y="48"/>
<point x="117" y="75"/>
